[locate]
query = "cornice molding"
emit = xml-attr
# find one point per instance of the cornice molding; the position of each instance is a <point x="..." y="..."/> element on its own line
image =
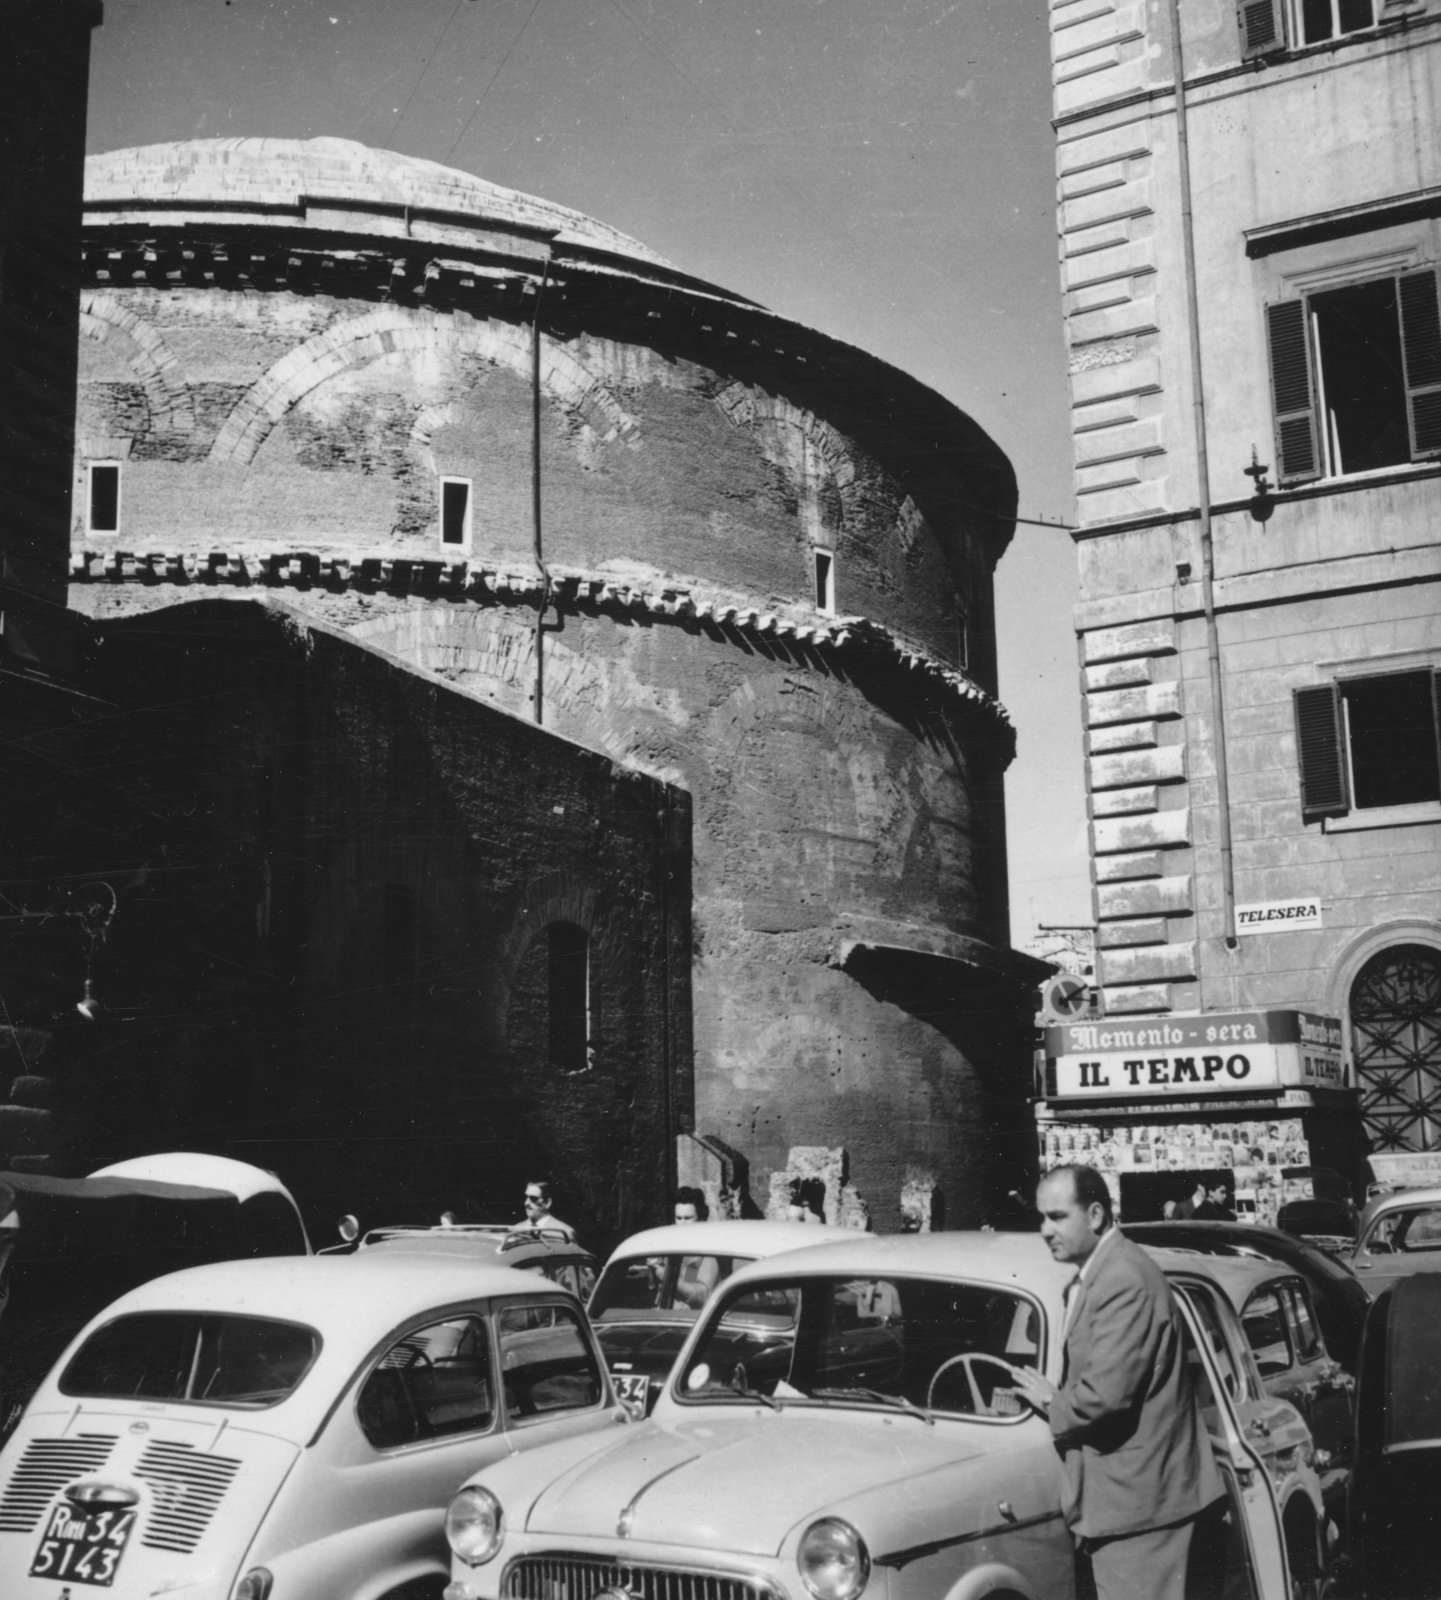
<point x="571" y="589"/>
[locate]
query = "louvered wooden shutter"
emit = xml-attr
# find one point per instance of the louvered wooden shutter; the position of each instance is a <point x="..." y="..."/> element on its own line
<point x="1263" y="27"/>
<point x="1320" y="753"/>
<point x="1421" y="346"/>
<point x="1293" y="392"/>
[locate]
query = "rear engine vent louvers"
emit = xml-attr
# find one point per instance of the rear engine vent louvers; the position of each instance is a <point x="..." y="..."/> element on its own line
<point x="186" y="1486"/>
<point x="45" y="1468"/>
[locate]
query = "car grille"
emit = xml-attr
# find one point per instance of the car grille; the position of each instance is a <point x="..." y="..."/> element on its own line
<point x="186" y="1486"/>
<point x="577" y="1577"/>
<point x="45" y="1468"/>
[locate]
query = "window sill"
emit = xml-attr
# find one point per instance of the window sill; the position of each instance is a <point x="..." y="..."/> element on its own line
<point x="1384" y="817"/>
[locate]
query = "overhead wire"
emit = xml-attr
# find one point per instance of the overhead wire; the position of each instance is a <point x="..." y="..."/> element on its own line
<point x="425" y="67"/>
<point x="494" y="75"/>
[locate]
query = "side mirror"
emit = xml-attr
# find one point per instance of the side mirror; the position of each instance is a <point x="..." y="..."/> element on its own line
<point x="348" y="1228"/>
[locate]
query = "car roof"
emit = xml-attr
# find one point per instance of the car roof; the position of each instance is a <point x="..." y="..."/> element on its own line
<point x="1007" y="1260"/>
<point x="1238" y="1277"/>
<point x="1400" y="1200"/>
<point x="1273" y="1243"/>
<point x="354" y="1301"/>
<point x="729" y="1236"/>
<point x="205" y="1171"/>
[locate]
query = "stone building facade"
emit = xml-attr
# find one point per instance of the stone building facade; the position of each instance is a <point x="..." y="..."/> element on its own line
<point x="516" y="451"/>
<point x="1276" y="848"/>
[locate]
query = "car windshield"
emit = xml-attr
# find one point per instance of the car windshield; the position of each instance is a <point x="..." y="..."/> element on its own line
<point x="672" y="1283"/>
<point x="914" y="1344"/>
<point x="185" y="1355"/>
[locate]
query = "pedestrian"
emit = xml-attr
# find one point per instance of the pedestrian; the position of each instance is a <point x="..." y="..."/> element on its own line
<point x="1218" y="1205"/>
<point x="538" y="1215"/>
<point x="690" y="1205"/>
<point x="1125" y="1420"/>
<point x="1191" y="1207"/>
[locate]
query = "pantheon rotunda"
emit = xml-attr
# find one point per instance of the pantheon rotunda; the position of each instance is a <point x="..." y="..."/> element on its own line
<point x="524" y="455"/>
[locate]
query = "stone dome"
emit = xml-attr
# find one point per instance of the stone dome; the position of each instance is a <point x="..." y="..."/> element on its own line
<point x="317" y="178"/>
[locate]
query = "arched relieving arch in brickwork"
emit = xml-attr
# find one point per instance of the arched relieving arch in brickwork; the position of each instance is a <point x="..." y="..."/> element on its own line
<point x="815" y="458"/>
<point x="105" y="319"/>
<point x="360" y="340"/>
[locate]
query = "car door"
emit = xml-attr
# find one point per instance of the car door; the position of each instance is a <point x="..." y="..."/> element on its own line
<point x="552" y="1378"/>
<point x="363" y="1512"/>
<point x="1324" y="1393"/>
<point x="1239" y="1545"/>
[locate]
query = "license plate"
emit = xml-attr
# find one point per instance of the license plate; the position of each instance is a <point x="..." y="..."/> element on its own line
<point x="83" y="1546"/>
<point x="631" y="1389"/>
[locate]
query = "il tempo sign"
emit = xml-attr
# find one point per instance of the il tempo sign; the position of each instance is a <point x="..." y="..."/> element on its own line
<point x="1181" y="1057"/>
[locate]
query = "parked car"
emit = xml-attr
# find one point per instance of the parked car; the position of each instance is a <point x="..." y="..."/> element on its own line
<point x="846" y="1418"/>
<point x="546" y="1251"/>
<point x="656" y="1282"/>
<point x="83" y="1241"/>
<point x="1399" y="1234"/>
<point x="269" y="1221"/>
<point x="1285" y="1341"/>
<point x="295" y="1424"/>
<point x="1341" y="1302"/>
<point x="1395" y="1513"/>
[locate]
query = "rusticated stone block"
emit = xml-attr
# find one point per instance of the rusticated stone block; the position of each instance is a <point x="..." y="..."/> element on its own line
<point x="30" y="1089"/>
<point x="1134" y="705"/>
<point x="1118" y="674"/>
<point x="1124" y="736"/>
<point x="1155" y="637"/>
<point x="1115" y="802"/>
<point x="1111" y="834"/>
<point x="1138" y="997"/>
<point x="1147" y="898"/>
<point x="1150" y="965"/>
<point x="1146" y="930"/>
<point x="1164" y="765"/>
<point x="1119" y="869"/>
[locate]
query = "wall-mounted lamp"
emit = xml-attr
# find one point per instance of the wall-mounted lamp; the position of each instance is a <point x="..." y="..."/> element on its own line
<point x="1261" y="505"/>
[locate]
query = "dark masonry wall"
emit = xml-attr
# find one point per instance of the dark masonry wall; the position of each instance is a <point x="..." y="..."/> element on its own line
<point x="401" y="947"/>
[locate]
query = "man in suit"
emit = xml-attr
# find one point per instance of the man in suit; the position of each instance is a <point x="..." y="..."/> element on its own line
<point x="1138" y="1467"/>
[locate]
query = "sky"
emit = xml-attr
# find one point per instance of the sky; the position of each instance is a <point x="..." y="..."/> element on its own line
<point x="882" y="170"/>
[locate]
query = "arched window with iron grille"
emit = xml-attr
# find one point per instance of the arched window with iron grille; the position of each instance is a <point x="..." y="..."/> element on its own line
<point x="1396" y="1046"/>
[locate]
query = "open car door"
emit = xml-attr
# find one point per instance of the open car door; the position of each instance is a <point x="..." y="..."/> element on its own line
<point x="1239" y="1549"/>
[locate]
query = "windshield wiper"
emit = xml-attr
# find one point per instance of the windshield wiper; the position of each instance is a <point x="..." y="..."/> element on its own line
<point x="740" y="1386"/>
<point x="883" y="1399"/>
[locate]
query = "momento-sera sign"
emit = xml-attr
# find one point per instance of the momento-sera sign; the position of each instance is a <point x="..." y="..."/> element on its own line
<point x="1184" y="1056"/>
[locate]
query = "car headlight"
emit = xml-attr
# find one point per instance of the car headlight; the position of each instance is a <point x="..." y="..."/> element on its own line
<point x="255" y="1585"/>
<point x="473" y="1525"/>
<point x="833" y="1560"/>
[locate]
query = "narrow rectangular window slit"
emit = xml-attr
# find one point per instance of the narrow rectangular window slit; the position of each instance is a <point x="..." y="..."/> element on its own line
<point x="455" y="513"/>
<point x="825" y="582"/>
<point x="103" y="513"/>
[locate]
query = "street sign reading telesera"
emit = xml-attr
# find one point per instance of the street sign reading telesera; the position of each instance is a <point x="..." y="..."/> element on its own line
<point x="1184" y="1056"/>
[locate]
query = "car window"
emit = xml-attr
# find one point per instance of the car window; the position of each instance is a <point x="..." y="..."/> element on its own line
<point x="661" y="1283"/>
<point x="1417" y="1229"/>
<point x="183" y="1355"/>
<point x="1199" y="1377"/>
<point x="434" y="1381"/>
<point x="546" y="1364"/>
<point x="1211" y="1317"/>
<point x="1266" y="1332"/>
<point x="1304" y="1332"/>
<point x="270" y="1227"/>
<point x="949" y="1347"/>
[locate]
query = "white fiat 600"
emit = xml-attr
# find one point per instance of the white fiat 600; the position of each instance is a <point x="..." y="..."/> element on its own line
<point x="291" y="1427"/>
<point x="844" y="1421"/>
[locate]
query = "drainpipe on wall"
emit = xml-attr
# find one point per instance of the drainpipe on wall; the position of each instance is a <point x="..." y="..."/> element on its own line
<point x="1203" y="473"/>
<point x="535" y="496"/>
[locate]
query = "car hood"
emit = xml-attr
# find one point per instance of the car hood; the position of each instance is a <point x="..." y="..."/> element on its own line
<point x="743" y="1483"/>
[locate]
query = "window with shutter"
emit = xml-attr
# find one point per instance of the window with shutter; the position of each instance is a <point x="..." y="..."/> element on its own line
<point x="1320" y="752"/>
<point x="1421" y="347"/>
<point x="1293" y="391"/>
<point x="1263" y="27"/>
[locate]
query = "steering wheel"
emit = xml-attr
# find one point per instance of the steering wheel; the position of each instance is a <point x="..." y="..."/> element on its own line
<point x="966" y="1362"/>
